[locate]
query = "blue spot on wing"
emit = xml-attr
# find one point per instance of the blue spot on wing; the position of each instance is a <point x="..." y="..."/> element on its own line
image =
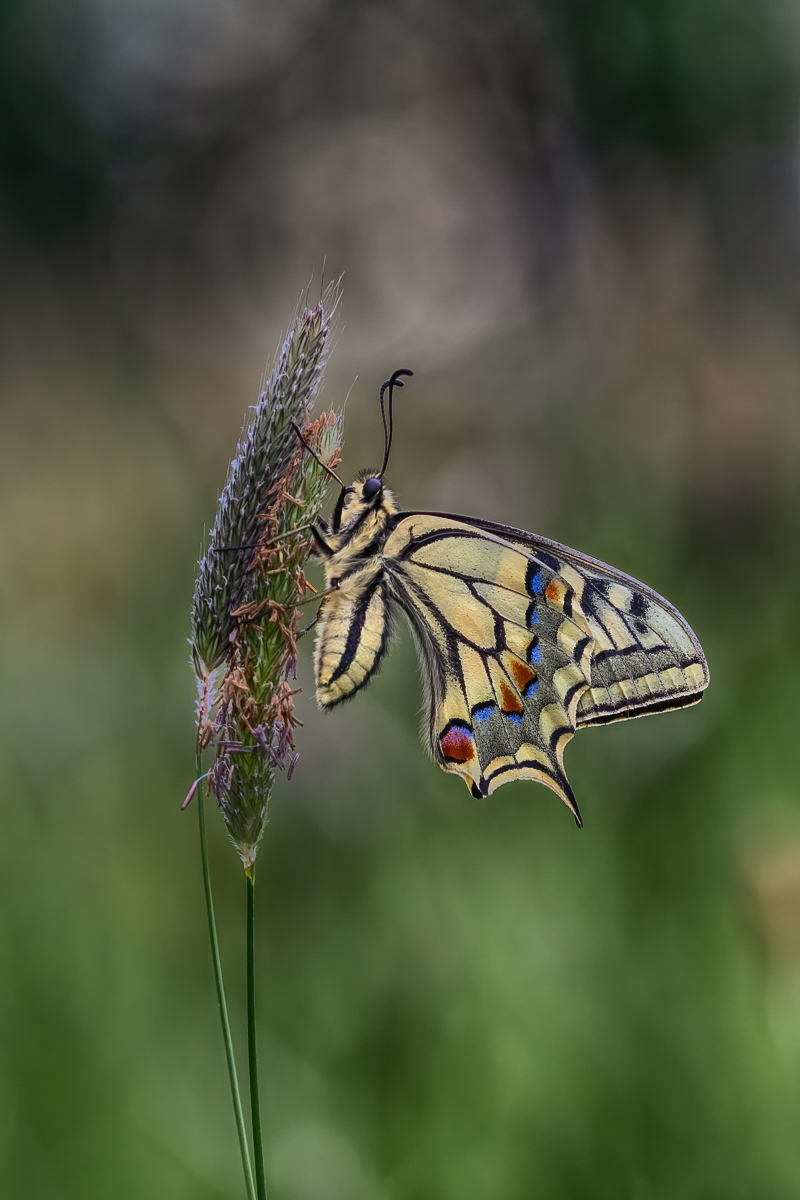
<point x="535" y="654"/>
<point x="482" y="712"/>
<point x="532" y="688"/>
<point x="533" y="579"/>
<point x="514" y="716"/>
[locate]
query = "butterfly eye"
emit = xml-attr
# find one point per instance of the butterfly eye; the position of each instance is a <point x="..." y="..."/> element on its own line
<point x="371" y="488"/>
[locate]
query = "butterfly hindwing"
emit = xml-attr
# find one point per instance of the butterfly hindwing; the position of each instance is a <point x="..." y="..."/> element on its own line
<point x="506" y="652"/>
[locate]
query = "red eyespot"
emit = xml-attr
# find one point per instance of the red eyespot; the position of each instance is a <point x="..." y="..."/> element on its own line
<point x="457" y="744"/>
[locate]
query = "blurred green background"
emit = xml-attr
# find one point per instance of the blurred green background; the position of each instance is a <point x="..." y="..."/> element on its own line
<point x="579" y="223"/>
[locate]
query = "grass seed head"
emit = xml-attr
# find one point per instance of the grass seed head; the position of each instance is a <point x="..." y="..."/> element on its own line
<point x="244" y="615"/>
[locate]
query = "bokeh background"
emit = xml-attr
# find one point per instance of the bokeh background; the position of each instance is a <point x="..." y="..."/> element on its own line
<point x="578" y="221"/>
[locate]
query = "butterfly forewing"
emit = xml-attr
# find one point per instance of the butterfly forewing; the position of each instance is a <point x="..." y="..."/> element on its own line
<point x="645" y="658"/>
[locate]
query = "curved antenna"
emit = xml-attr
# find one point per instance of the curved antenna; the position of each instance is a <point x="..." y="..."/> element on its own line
<point x="391" y="384"/>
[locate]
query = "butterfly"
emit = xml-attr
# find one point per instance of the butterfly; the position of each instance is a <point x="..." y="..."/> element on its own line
<point x="521" y="640"/>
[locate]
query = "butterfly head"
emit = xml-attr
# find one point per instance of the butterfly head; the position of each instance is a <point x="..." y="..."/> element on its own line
<point x="367" y="494"/>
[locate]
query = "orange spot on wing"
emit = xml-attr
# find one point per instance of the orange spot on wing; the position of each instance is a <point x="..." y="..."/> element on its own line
<point x="522" y="674"/>
<point x="553" y="592"/>
<point x="457" y="745"/>
<point x="511" y="701"/>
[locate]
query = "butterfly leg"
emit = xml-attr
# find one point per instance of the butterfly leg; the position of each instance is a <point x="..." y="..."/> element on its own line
<point x="309" y="627"/>
<point x="322" y="545"/>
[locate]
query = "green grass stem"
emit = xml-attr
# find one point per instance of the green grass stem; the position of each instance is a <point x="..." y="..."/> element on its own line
<point x="255" y="1108"/>
<point x="223" y="1008"/>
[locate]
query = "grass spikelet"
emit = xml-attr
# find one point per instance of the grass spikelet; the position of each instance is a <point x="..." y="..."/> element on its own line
<point x="244" y="615"/>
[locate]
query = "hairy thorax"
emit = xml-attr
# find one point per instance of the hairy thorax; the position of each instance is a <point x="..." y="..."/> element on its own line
<point x="357" y="548"/>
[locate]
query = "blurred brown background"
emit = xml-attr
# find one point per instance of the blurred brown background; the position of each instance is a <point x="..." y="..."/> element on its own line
<point x="579" y="223"/>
